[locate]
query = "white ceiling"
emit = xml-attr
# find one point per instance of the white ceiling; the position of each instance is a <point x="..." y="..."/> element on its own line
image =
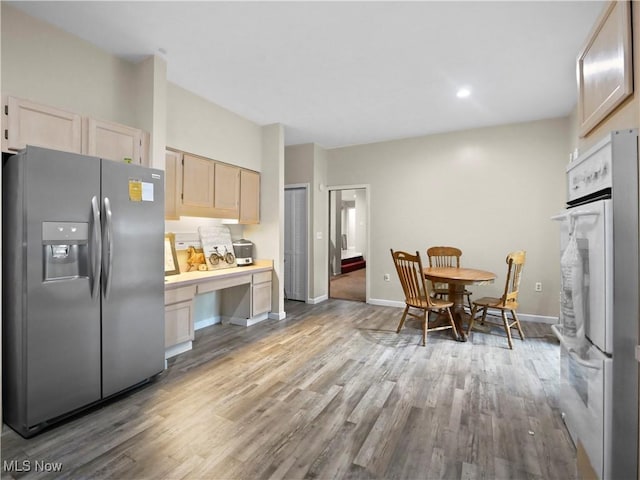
<point x="343" y="73"/>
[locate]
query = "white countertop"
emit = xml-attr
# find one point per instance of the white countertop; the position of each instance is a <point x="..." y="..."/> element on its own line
<point x="196" y="276"/>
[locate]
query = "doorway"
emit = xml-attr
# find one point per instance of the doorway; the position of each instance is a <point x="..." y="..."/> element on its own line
<point x="295" y="242"/>
<point x="348" y="243"/>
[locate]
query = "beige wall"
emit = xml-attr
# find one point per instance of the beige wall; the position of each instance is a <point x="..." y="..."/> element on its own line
<point x="488" y="191"/>
<point x="46" y="65"/>
<point x="204" y="128"/>
<point x="152" y="106"/>
<point x="320" y="233"/>
<point x="298" y="164"/>
<point x="268" y="236"/>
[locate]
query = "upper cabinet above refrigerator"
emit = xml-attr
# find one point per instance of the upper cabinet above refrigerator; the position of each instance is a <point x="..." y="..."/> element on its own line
<point x="30" y="123"/>
<point x="26" y="122"/>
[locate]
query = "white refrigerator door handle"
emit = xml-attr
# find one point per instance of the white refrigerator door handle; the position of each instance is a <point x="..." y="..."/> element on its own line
<point x="96" y="246"/>
<point x="575" y="213"/>
<point x="107" y="242"/>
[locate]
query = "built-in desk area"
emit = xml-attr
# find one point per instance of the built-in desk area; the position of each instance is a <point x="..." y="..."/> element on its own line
<point x="245" y="299"/>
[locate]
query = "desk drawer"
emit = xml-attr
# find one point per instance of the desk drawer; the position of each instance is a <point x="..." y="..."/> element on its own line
<point x="180" y="294"/>
<point x="220" y="283"/>
<point x="262" y="277"/>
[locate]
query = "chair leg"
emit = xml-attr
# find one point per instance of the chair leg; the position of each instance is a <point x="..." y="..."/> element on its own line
<point x="453" y="324"/>
<point x="472" y="318"/>
<point x="425" y="315"/>
<point x="517" y="321"/>
<point x="469" y="300"/>
<point x="507" y="328"/>
<point x="484" y="315"/>
<point x="404" y="316"/>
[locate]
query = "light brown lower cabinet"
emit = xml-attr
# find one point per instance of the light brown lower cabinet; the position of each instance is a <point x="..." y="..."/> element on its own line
<point x="245" y="299"/>
<point x="178" y="316"/>
<point x="261" y="293"/>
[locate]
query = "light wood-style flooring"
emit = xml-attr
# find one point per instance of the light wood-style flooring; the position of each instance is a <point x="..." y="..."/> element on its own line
<point x="330" y="392"/>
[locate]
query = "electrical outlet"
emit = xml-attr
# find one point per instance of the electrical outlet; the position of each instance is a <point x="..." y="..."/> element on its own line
<point x="538" y="286"/>
<point x="387" y="277"/>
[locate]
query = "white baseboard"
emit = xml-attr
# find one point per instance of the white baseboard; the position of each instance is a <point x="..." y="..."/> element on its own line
<point x="246" y="322"/>
<point x="527" y="317"/>
<point x="277" y="315"/>
<point x="178" y="349"/>
<point x="206" y="322"/>
<point x="538" y="318"/>
<point x="321" y="298"/>
<point x="386" y="303"/>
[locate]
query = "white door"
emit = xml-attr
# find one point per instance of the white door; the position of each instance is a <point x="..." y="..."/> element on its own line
<point x="295" y="243"/>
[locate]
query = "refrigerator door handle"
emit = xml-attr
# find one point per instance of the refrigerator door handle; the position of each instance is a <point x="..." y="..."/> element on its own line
<point x="96" y="261"/>
<point x="107" y="242"/>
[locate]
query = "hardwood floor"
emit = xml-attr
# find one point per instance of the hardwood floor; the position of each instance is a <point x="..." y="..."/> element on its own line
<point x="330" y="392"/>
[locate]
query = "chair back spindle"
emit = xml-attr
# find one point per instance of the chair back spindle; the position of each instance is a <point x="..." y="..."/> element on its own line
<point x="444" y="256"/>
<point x="409" y="268"/>
<point x="515" y="261"/>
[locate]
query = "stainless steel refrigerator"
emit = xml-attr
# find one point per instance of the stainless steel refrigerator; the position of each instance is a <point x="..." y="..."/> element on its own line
<point x="83" y="283"/>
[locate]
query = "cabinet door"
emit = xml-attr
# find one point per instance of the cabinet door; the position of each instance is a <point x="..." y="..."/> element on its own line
<point x="171" y="184"/>
<point x="226" y="191"/>
<point x="261" y="298"/>
<point x="114" y="141"/>
<point x="249" y="197"/>
<point x="178" y="324"/>
<point x="197" y="186"/>
<point x="29" y="123"/>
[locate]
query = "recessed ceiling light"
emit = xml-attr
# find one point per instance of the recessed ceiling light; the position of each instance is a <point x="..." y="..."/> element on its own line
<point x="463" y="93"/>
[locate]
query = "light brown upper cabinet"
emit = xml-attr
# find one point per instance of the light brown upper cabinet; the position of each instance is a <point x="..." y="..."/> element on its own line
<point x="249" y="197"/>
<point x="605" y="66"/>
<point x="226" y="191"/>
<point x="30" y="123"/>
<point x="26" y="122"/>
<point x="173" y="162"/>
<point x="196" y="199"/>
<point x="206" y="188"/>
<point x="114" y="141"/>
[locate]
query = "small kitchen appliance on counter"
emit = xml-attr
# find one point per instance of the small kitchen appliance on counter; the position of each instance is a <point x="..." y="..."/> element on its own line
<point x="244" y="252"/>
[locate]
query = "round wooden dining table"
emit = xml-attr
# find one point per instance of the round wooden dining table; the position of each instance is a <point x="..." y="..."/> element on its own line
<point x="457" y="278"/>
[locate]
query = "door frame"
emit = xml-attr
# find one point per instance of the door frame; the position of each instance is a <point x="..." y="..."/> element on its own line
<point x="306" y="187"/>
<point x="367" y="194"/>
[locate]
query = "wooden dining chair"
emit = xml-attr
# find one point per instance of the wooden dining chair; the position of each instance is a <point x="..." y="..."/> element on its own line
<point x="508" y="300"/>
<point x="445" y="257"/>
<point x="416" y="293"/>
